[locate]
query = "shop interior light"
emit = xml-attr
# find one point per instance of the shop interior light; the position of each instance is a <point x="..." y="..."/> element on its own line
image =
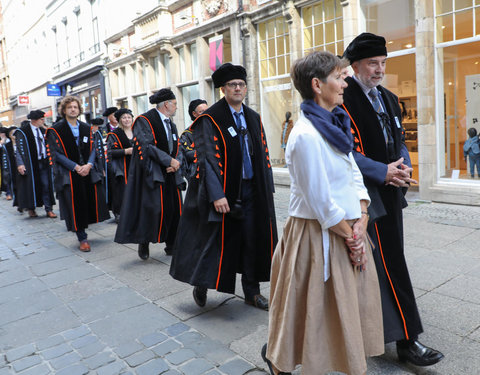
<point x="390" y="42"/>
<point x="450" y="83"/>
<point x="409" y="45"/>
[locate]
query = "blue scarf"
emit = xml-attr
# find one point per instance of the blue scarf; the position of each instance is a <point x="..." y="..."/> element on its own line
<point x="333" y="126"/>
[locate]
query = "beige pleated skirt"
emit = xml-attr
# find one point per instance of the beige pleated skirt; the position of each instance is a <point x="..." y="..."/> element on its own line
<point x="323" y="326"/>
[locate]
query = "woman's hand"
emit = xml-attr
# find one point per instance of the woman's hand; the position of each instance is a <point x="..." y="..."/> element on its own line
<point x="359" y="258"/>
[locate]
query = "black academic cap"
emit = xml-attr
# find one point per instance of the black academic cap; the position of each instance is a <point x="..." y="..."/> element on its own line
<point x="193" y="105"/>
<point x="161" y="96"/>
<point x="121" y="112"/>
<point x="35" y="115"/>
<point x="365" y="45"/>
<point x="97" y="121"/>
<point x="109" y="111"/>
<point x="227" y="72"/>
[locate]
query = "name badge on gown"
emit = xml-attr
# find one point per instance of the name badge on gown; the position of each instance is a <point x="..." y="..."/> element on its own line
<point x="232" y="131"/>
<point x="174" y="136"/>
<point x="397" y="121"/>
<point x="85" y="139"/>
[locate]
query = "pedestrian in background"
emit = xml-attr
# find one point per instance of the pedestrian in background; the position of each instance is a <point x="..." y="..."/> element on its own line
<point x="152" y="203"/>
<point x="187" y="152"/>
<point x="9" y="165"/>
<point x="119" y="153"/>
<point x="77" y="174"/>
<point x="35" y="182"/>
<point x="383" y="159"/>
<point x="471" y="148"/>
<point x="111" y="122"/>
<point x="228" y="225"/>
<point x="325" y="312"/>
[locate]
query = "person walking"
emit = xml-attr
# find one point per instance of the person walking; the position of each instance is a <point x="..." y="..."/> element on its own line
<point x="34" y="182"/>
<point x="119" y="153"/>
<point x="228" y="225"/>
<point x="383" y="159"/>
<point x="152" y="202"/>
<point x="76" y="156"/>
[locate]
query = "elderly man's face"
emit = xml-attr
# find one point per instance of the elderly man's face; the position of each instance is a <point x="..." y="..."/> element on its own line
<point x="371" y="70"/>
<point x="200" y="109"/>
<point x="112" y="119"/>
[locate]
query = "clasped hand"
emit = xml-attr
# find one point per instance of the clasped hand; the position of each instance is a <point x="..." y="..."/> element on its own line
<point x="356" y="243"/>
<point x="398" y="174"/>
<point x="174" y="166"/>
<point x="83" y="170"/>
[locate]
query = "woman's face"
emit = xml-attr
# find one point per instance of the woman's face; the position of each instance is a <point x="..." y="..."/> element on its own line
<point x="126" y="120"/>
<point x="329" y="94"/>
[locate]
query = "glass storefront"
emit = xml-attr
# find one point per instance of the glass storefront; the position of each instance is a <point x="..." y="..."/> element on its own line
<point x="275" y="83"/>
<point x="458" y="79"/>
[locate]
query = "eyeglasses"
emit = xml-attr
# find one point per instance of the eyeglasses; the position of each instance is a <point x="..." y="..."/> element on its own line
<point x="233" y="85"/>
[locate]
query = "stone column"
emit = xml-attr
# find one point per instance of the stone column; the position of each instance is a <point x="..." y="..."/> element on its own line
<point x="425" y="72"/>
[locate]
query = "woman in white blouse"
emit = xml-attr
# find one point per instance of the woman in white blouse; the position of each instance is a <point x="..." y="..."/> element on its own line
<point x="325" y="311"/>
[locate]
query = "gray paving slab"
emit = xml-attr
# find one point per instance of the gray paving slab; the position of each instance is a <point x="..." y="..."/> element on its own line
<point x="76" y="332"/>
<point x="128" y="348"/>
<point x="152" y="339"/>
<point x="65" y="360"/>
<point x="49" y="342"/>
<point x="19" y="308"/>
<point x="99" y="360"/>
<point x="180" y="356"/>
<point x="76" y="369"/>
<point x="42" y="369"/>
<point x="26" y="362"/>
<point x="235" y="317"/>
<point x="56" y="351"/>
<point x="38" y="326"/>
<point x="91" y="349"/>
<point x="176" y="329"/>
<point x="84" y="341"/>
<point x="106" y="304"/>
<point x="87" y="288"/>
<point x="135" y="322"/>
<point x="166" y="347"/>
<point x="105" y="250"/>
<point x="14" y="276"/>
<point x="113" y="368"/>
<point x="184" y="307"/>
<point x="41" y="256"/>
<point x="156" y="366"/>
<point x="55" y="265"/>
<point x="74" y="274"/>
<point x="140" y="358"/>
<point x="237" y="366"/>
<point x="20" y="352"/>
<point x="196" y="366"/>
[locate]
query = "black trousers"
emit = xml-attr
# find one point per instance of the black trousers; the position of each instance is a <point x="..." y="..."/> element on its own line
<point x="44" y="173"/>
<point x="250" y="285"/>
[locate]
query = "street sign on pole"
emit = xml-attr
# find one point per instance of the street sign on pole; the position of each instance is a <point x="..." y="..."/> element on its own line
<point x="53" y="90"/>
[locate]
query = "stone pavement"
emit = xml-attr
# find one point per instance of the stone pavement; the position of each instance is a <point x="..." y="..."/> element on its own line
<point x="108" y="312"/>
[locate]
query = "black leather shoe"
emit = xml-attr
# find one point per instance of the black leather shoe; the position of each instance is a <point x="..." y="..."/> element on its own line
<point x="259" y="301"/>
<point x="269" y="364"/>
<point x="200" y="295"/>
<point x="418" y="354"/>
<point x="143" y="251"/>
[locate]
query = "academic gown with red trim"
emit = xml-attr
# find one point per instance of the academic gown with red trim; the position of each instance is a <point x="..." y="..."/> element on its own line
<point x="152" y="203"/>
<point x="400" y="313"/>
<point x="207" y="249"/>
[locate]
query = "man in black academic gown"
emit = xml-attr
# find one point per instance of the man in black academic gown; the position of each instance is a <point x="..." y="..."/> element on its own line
<point x="34" y="183"/>
<point x="228" y="224"/>
<point x="186" y="144"/>
<point x="9" y="165"/>
<point x="111" y="123"/>
<point x="152" y="203"/>
<point x="383" y="159"/>
<point x="78" y="163"/>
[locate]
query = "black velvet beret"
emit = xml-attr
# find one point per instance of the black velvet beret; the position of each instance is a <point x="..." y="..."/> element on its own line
<point x="109" y="111"/>
<point x="365" y="45"/>
<point x="3" y="130"/>
<point x="97" y="121"/>
<point x="121" y="112"/>
<point x="161" y="96"/>
<point x="194" y="104"/>
<point x="35" y="115"/>
<point x="227" y="72"/>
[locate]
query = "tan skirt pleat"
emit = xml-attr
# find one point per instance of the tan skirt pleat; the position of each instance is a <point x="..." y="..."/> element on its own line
<point x="324" y="326"/>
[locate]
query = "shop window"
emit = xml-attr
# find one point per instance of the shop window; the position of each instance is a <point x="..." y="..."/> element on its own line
<point x="393" y="19"/>
<point x="460" y="104"/>
<point x="274" y="47"/>
<point x="323" y="27"/>
<point x="275" y="83"/>
<point x="189" y="93"/>
<point x="155" y="72"/>
<point x="141" y="103"/>
<point x="166" y="69"/>
<point x="457" y="19"/>
<point x="400" y="78"/>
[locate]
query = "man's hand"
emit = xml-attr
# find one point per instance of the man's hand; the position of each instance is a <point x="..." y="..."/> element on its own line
<point x="129" y="151"/>
<point x="398" y="174"/>
<point x="174" y="166"/>
<point x="21" y="169"/>
<point x="83" y="170"/>
<point x="221" y="205"/>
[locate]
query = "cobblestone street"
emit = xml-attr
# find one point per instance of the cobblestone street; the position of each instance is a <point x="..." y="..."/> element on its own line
<point x="107" y="312"/>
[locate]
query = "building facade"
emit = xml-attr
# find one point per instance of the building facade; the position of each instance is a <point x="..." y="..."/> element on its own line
<point x="120" y="52"/>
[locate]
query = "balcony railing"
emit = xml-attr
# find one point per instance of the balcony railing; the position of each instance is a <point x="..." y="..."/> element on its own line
<point x="67" y="63"/>
<point x="80" y="57"/>
<point x="56" y="68"/>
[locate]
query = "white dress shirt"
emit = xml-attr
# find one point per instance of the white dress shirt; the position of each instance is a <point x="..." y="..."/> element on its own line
<point x="326" y="185"/>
